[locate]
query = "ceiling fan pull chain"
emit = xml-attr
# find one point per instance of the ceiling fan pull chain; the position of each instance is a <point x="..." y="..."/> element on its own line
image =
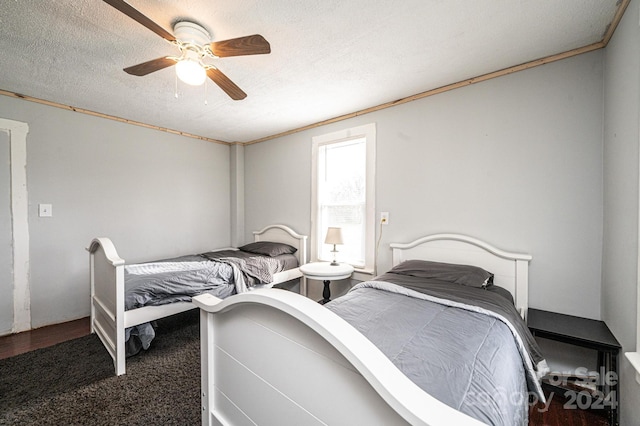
<point x="176" y="86"/>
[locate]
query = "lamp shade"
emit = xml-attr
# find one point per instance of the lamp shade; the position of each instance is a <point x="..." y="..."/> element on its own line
<point x="334" y="236"/>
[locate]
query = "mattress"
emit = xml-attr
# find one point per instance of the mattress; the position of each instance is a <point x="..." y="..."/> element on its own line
<point x="469" y="359"/>
<point x="220" y="273"/>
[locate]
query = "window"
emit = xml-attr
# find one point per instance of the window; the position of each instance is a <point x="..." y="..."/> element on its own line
<point x="343" y="195"/>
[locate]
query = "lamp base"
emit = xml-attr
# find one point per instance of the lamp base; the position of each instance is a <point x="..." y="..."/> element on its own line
<point x="335" y="253"/>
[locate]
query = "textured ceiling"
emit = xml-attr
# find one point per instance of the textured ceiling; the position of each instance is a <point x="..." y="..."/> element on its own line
<point x="328" y="57"/>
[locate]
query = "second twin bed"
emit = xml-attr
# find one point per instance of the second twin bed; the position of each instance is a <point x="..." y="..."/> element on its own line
<point x="437" y="340"/>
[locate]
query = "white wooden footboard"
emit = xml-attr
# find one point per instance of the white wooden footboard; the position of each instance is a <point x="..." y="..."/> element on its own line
<point x="109" y="320"/>
<point x="275" y="357"/>
<point x="107" y="299"/>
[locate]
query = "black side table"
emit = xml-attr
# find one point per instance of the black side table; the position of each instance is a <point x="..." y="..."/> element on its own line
<point x="588" y="333"/>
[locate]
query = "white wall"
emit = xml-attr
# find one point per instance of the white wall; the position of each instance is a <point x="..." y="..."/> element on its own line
<point x="516" y="161"/>
<point x="153" y="193"/>
<point x="621" y="164"/>
<point x="277" y="184"/>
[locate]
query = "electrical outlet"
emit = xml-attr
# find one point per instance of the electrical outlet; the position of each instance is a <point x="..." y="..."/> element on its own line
<point x="384" y="218"/>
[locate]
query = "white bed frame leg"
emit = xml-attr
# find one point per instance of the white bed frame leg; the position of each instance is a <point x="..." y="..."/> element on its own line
<point x="120" y="361"/>
<point x="92" y="281"/>
<point x="206" y="373"/>
<point x="522" y="287"/>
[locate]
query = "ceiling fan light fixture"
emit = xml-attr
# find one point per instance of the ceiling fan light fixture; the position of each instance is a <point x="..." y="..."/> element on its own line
<point x="194" y="43"/>
<point x="190" y="71"/>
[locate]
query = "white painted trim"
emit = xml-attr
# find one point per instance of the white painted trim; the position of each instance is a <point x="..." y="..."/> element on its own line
<point x="19" y="222"/>
<point x="634" y="359"/>
<point x="635" y="356"/>
<point x="368" y="131"/>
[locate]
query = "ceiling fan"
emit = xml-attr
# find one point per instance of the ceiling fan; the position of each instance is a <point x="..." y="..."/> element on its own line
<point x="194" y="44"/>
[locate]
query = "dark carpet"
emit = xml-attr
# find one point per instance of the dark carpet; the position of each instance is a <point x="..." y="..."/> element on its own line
<point x="73" y="383"/>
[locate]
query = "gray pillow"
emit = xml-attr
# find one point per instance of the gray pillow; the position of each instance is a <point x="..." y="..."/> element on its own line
<point x="468" y="275"/>
<point x="268" y="248"/>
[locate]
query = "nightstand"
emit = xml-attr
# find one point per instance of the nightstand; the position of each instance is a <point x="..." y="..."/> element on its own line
<point x="325" y="272"/>
<point x="588" y="333"/>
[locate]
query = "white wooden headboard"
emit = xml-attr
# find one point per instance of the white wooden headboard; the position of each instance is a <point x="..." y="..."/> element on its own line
<point x="511" y="270"/>
<point x="284" y="234"/>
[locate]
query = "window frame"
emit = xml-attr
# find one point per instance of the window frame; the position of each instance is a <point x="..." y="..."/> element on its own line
<point x="368" y="132"/>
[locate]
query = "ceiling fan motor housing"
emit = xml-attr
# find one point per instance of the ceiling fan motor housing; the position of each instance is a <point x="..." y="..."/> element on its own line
<point x="190" y="33"/>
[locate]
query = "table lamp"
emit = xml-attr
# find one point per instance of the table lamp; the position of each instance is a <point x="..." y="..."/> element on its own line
<point x="334" y="236"/>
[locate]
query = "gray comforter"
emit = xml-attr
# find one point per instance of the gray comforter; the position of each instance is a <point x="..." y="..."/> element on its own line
<point x="469" y="357"/>
<point x="175" y="280"/>
<point x="220" y="273"/>
<point x="255" y="269"/>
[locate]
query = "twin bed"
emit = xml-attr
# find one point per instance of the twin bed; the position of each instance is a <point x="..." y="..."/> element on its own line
<point x="125" y="299"/>
<point x="438" y="339"/>
<point x="430" y="342"/>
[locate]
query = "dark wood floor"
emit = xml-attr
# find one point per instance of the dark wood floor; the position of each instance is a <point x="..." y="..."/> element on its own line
<point x="15" y="344"/>
<point x="555" y="414"/>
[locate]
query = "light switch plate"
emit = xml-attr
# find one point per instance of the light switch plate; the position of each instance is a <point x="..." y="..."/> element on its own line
<point x="45" y="210"/>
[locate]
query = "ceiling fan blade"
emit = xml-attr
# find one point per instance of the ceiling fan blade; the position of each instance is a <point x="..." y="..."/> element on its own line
<point x="132" y="13"/>
<point x="225" y="84"/>
<point x="248" y="45"/>
<point x="150" y="66"/>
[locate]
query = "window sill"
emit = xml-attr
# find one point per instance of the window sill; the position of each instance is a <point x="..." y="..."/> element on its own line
<point x="634" y="359"/>
<point x="362" y="274"/>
